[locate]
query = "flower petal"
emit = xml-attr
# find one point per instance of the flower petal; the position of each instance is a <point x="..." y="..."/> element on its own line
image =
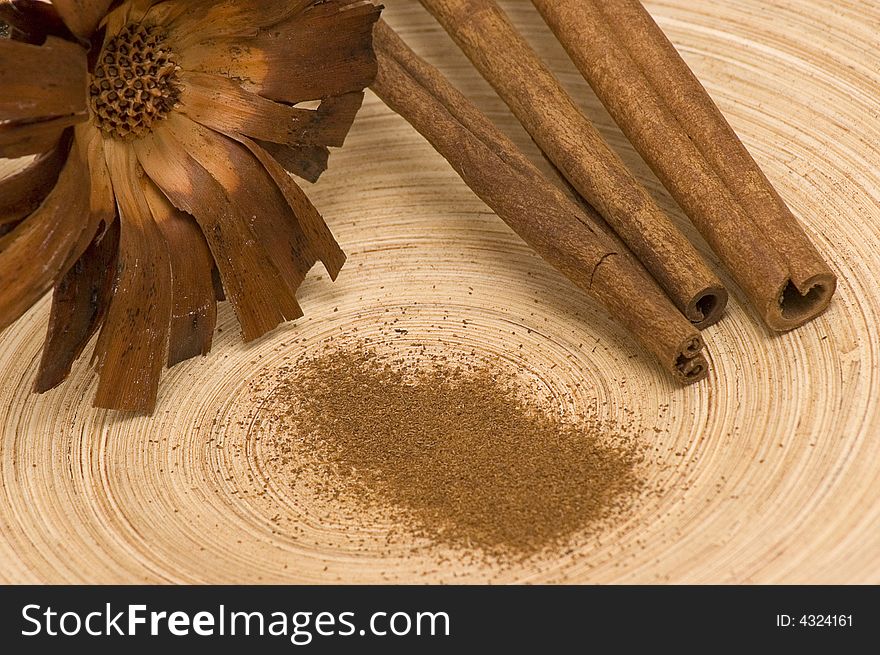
<point x="41" y="81"/>
<point x="22" y="193"/>
<point x="131" y="11"/>
<point x="221" y="104"/>
<point x="323" y="51"/>
<point x="253" y="284"/>
<point x="320" y="238"/>
<point x="249" y="186"/>
<point x="194" y="306"/>
<point x="44" y="91"/>
<point x="292" y="244"/>
<point x="102" y="202"/>
<point x="132" y="346"/>
<point x="308" y="162"/>
<point x="23" y="139"/>
<point x="193" y="21"/>
<point x="83" y="294"/>
<point x="82" y="16"/>
<point x="79" y="304"/>
<point x="35" y="253"/>
<point x="32" y="21"/>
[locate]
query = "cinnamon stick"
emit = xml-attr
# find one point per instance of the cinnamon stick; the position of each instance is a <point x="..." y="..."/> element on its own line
<point x="570" y="140"/>
<point x="670" y="119"/>
<point x="535" y="208"/>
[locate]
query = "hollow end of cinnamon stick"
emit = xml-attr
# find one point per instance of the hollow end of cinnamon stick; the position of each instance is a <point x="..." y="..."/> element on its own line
<point x="796" y="304"/>
<point x="707" y="307"/>
<point x="690" y="364"/>
<point x="675" y="125"/>
<point x="640" y="304"/>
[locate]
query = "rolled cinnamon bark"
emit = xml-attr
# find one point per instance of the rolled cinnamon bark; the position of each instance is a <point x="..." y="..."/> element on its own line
<point x="675" y="126"/>
<point x="535" y="208"/>
<point x="574" y="145"/>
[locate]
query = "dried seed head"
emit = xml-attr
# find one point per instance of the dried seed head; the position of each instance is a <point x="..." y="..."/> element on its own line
<point x="134" y="83"/>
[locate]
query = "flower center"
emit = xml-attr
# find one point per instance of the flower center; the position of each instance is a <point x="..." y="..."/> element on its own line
<point x="134" y="83"/>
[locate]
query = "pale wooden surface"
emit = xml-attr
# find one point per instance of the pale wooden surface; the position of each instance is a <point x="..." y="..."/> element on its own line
<point x="769" y="472"/>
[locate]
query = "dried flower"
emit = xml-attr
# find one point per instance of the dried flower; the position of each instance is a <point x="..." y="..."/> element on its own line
<point x="163" y="132"/>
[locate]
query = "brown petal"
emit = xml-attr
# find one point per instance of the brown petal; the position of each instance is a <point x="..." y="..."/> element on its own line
<point x="41" y="81"/>
<point x="102" y="201"/>
<point x="81" y="297"/>
<point x="23" y="139"/>
<point x="78" y="307"/>
<point x="35" y="254"/>
<point x="320" y="238"/>
<point x="193" y="21"/>
<point x="234" y="58"/>
<point x="22" y="193"/>
<point x="131" y="11"/>
<point x="132" y="347"/>
<point x="308" y="162"/>
<point x="194" y="306"/>
<point x="323" y="51"/>
<point x="292" y="248"/>
<point x="251" y="189"/>
<point x="82" y="16"/>
<point x="32" y="21"/>
<point x="253" y="284"/>
<point x="221" y="104"/>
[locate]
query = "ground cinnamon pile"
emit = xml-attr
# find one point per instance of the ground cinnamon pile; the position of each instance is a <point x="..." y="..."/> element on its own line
<point x="460" y="455"/>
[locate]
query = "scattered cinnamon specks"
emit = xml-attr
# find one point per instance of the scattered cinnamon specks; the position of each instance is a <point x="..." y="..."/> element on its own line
<point x="463" y="456"/>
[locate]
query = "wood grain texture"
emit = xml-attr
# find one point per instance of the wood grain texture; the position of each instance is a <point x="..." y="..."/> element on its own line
<point x="767" y="472"/>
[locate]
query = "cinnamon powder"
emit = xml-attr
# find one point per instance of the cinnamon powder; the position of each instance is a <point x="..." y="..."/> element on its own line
<point x="461" y="455"/>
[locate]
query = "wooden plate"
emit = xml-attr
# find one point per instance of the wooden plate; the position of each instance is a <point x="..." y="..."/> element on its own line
<point x="767" y="472"/>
